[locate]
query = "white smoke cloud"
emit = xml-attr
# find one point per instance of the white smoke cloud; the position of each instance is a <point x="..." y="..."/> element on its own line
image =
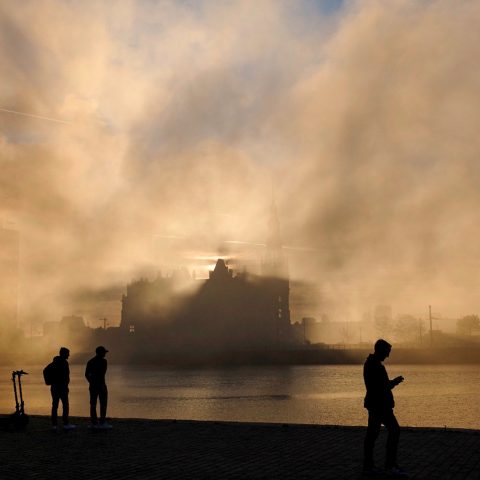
<point x="179" y="112"/>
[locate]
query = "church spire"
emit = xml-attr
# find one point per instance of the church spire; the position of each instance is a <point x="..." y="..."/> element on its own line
<point x="274" y="263"/>
<point x="274" y="239"/>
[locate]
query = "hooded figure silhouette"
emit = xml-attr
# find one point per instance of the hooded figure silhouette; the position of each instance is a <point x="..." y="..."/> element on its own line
<point x="380" y="403"/>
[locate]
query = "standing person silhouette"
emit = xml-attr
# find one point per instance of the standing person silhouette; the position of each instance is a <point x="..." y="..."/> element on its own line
<point x="379" y="402"/>
<point x="95" y="374"/>
<point x="60" y="378"/>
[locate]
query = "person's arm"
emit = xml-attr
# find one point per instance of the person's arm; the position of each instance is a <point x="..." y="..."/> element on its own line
<point x="393" y="383"/>
<point x="88" y="372"/>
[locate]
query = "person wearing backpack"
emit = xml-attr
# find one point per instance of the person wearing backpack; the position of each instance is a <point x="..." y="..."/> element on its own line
<point x="57" y="375"/>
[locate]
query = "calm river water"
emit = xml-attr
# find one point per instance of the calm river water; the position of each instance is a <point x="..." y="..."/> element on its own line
<point x="430" y="396"/>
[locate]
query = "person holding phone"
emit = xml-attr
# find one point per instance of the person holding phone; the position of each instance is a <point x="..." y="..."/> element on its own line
<point x="380" y="403"/>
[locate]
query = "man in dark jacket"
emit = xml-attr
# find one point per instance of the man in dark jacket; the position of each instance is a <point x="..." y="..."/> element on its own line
<point x="379" y="403"/>
<point x="95" y="374"/>
<point x="59" y="388"/>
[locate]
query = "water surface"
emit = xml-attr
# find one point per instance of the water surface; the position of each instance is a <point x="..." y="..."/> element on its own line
<point x="322" y="394"/>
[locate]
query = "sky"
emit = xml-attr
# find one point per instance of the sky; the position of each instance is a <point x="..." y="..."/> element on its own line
<point x="166" y="123"/>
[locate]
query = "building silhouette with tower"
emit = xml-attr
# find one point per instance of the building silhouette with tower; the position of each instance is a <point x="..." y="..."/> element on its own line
<point x="228" y="310"/>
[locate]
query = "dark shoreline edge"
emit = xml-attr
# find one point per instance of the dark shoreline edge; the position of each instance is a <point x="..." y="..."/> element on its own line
<point x="292" y="357"/>
<point x="256" y="357"/>
<point x="228" y="423"/>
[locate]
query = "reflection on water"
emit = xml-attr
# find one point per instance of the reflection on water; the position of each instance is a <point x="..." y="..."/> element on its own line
<point x="333" y="394"/>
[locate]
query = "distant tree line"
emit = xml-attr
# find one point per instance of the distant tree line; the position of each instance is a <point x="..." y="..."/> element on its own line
<point x="408" y="329"/>
<point x="468" y="325"/>
<point x="404" y="328"/>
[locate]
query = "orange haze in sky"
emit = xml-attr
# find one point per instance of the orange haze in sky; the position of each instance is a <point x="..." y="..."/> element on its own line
<point x="179" y="117"/>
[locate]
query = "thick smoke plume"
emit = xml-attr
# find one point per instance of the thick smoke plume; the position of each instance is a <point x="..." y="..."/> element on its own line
<point x="180" y="116"/>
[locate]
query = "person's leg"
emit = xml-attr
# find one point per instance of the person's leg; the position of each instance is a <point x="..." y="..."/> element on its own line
<point x="55" y="399"/>
<point x="373" y="429"/>
<point x="393" y="428"/>
<point x="65" y="406"/>
<point x="93" y="405"/>
<point x="103" y="397"/>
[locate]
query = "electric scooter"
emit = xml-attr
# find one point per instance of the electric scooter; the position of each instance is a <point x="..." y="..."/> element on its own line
<point x="18" y="419"/>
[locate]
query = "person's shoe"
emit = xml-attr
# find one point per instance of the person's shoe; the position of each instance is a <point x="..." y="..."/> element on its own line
<point x="54" y="428"/>
<point x="372" y="472"/>
<point x="69" y="426"/>
<point x="397" y="471"/>
<point x="93" y="426"/>
<point x="105" y="426"/>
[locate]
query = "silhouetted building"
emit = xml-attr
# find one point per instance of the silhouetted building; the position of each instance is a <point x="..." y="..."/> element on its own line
<point x="70" y="329"/>
<point x="311" y="331"/>
<point x="9" y="266"/>
<point x="241" y="310"/>
<point x="225" y="310"/>
<point x="148" y="305"/>
<point x="305" y="300"/>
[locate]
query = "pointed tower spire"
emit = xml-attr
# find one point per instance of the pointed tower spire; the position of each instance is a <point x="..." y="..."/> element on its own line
<point x="274" y="263"/>
<point x="274" y="239"/>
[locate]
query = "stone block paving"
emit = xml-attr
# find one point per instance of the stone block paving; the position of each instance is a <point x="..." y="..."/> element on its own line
<point x="166" y="449"/>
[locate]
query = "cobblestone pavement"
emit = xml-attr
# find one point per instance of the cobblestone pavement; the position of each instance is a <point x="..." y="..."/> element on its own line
<point x="158" y="449"/>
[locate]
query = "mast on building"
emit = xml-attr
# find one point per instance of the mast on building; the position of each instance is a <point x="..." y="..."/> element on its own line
<point x="274" y="263"/>
<point x="275" y="267"/>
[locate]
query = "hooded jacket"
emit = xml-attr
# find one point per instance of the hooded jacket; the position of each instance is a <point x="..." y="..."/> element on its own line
<point x="379" y="387"/>
<point x="62" y="372"/>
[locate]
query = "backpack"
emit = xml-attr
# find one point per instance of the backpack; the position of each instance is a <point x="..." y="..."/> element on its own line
<point x="49" y="374"/>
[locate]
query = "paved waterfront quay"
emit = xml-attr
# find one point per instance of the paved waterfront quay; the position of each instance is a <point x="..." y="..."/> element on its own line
<point x="158" y="449"/>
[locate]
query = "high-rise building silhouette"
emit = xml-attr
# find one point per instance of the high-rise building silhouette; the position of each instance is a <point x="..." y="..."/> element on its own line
<point x="9" y="271"/>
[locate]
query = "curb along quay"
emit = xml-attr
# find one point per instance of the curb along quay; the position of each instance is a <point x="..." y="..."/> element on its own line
<point x="157" y="449"/>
